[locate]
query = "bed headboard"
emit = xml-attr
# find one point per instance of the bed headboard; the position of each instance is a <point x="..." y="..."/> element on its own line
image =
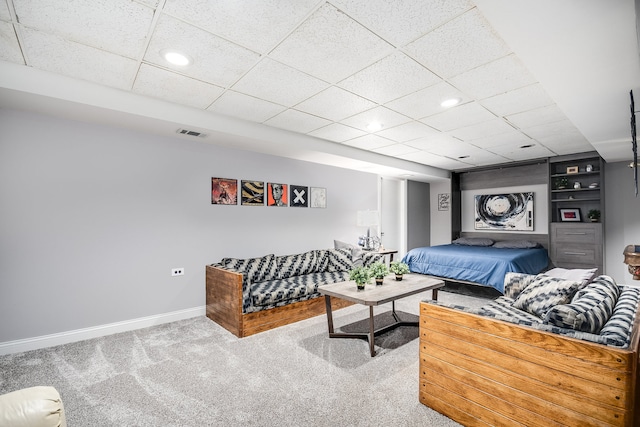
<point x="543" y="239"/>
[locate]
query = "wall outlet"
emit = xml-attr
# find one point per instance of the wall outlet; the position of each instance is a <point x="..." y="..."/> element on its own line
<point x="177" y="271"/>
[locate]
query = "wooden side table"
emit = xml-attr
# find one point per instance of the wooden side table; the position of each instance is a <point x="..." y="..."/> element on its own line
<point x="389" y="252"/>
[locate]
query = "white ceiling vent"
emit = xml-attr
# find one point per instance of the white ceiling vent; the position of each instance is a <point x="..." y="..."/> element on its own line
<point x="191" y="133"/>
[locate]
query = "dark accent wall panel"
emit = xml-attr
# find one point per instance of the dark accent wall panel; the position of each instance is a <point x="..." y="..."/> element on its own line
<point x="505" y="176"/>
<point x="418" y="215"/>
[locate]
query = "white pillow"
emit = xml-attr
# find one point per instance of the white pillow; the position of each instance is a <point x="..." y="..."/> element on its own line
<point x="577" y="274"/>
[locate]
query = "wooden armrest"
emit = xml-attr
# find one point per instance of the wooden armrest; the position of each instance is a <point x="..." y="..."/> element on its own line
<point x="224" y="298"/>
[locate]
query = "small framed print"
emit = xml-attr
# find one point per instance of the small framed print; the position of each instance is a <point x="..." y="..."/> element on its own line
<point x="298" y="196"/>
<point x="252" y="193"/>
<point x="318" y="197"/>
<point x="570" y="215"/>
<point x="572" y="169"/>
<point x="224" y="191"/>
<point x="443" y="201"/>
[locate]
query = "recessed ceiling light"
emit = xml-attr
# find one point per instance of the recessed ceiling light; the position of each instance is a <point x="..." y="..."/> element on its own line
<point x="463" y="157"/>
<point x="451" y="102"/>
<point x="374" y="126"/>
<point x="527" y="146"/>
<point x="176" y="58"/>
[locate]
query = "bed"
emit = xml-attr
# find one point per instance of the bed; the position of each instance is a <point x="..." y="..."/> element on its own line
<point x="482" y="265"/>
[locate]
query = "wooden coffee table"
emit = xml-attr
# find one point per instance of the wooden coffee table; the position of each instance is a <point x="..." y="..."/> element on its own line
<point x="374" y="295"/>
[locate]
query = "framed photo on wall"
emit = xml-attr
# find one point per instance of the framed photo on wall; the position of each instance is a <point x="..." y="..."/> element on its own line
<point x="224" y="191"/>
<point x="277" y="194"/>
<point x="570" y="215"/>
<point x="318" y="197"/>
<point x="252" y="193"/>
<point x="298" y="196"/>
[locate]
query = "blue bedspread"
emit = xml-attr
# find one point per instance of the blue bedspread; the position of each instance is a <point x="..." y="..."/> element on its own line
<point x="478" y="264"/>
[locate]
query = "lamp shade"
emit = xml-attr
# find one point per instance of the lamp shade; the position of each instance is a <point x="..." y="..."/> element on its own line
<point x="368" y="218"/>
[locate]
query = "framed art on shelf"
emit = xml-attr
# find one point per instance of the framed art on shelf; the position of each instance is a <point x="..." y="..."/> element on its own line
<point x="570" y="215"/>
<point x="224" y="191"/>
<point x="572" y="169"/>
<point x="252" y="193"/>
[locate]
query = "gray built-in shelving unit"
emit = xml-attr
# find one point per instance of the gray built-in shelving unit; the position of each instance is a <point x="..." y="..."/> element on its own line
<point x="576" y="182"/>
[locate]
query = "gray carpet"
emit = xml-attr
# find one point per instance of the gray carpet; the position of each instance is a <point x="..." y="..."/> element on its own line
<point x="195" y="373"/>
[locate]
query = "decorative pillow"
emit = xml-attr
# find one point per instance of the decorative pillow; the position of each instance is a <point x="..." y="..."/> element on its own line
<point x="356" y="252"/>
<point x="473" y="241"/>
<point x="515" y="283"/>
<point x="575" y="274"/>
<point x="545" y="292"/>
<point x="590" y="308"/>
<point x="256" y="269"/>
<point x="339" y="260"/>
<point x="517" y="244"/>
<point x="296" y="265"/>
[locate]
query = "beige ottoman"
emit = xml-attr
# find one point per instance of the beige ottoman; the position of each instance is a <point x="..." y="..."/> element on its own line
<point x="32" y="407"/>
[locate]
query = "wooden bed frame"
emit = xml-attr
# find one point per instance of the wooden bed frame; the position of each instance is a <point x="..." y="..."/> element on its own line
<point x="224" y="306"/>
<point x="480" y="371"/>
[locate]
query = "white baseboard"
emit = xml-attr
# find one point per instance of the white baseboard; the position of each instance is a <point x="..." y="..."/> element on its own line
<point x="18" y="346"/>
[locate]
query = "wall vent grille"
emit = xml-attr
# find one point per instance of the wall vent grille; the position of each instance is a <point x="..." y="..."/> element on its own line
<point x="191" y="133"/>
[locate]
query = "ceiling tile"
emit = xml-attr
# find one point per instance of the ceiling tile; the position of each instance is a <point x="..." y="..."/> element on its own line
<point x="335" y="104"/>
<point x="297" y="121"/>
<point x="401" y="21"/>
<point x="481" y="130"/>
<point x="52" y="53"/>
<point x="512" y="137"/>
<point x="426" y="102"/>
<point x="388" y="118"/>
<point x="330" y="46"/>
<point x="460" y="116"/>
<point x="539" y="116"/>
<point x="429" y="142"/>
<point x="275" y="82"/>
<point x="9" y="47"/>
<point x="164" y="84"/>
<point x="369" y="142"/>
<point x="118" y="26"/>
<point x="337" y="132"/>
<point x="407" y="132"/>
<point x="4" y="12"/>
<point x="245" y="107"/>
<point x="435" y="160"/>
<point x="516" y="153"/>
<point x="551" y="129"/>
<point x="396" y="150"/>
<point x="257" y="25"/>
<point x="215" y="60"/>
<point x="518" y="100"/>
<point x="497" y="77"/>
<point x="380" y="82"/>
<point x="461" y="44"/>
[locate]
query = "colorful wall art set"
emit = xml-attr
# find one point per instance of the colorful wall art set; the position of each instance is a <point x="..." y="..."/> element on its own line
<point x="224" y="191"/>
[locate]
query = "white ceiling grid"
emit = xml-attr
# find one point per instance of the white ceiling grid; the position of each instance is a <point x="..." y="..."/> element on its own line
<point x="322" y="68"/>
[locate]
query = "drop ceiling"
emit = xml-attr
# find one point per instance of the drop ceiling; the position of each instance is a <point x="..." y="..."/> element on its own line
<point x="305" y="78"/>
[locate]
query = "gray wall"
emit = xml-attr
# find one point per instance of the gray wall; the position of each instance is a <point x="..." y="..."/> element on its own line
<point x="418" y="215"/>
<point x="621" y="219"/>
<point x="93" y="219"/>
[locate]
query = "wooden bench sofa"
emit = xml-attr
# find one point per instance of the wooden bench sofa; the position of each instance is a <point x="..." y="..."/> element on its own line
<point x="248" y="296"/>
<point x="487" y="367"/>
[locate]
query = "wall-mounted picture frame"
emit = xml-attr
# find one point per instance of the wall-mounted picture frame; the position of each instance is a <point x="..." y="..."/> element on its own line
<point x="277" y="194"/>
<point x="570" y="215"/>
<point x="318" y="197"/>
<point x="224" y="191"/>
<point x="252" y="193"/>
<point x="444" y="201"/>
<point x="572" y="169"/>
<point x="298" y="196"/>
<point x="509" y="212"/>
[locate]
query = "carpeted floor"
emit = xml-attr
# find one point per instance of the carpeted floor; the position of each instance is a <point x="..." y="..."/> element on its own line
<point x="195" y="373"/>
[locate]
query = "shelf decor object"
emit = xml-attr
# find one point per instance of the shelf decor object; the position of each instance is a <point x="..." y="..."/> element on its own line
<point x="570" y="215"/>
